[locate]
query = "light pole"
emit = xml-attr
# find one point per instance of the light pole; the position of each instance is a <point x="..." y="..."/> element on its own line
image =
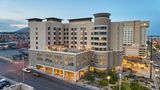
<point x="120" y="76"/>
<point x="23" y="68"/>
<point x="108" y="78"/>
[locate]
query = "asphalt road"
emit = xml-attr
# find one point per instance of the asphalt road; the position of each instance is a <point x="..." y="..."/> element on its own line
<point x="13" y="71"/>
<point x="155" y="58"/>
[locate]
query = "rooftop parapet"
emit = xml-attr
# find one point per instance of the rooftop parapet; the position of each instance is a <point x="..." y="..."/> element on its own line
<point x="96" y="15"/>
<point x="35" y="19"/>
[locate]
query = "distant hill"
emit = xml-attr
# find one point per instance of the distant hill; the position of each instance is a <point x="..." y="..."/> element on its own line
<point x="23" y="30"/>
<point x="20" y="31"/>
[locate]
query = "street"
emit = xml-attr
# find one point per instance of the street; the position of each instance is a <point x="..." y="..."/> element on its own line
<point x="13" y="71"/>
<point x="156" y="60"/>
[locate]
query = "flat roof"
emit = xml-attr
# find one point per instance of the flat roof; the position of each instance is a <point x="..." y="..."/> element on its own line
<point x="80" y="19"/>
<point x="34" y="19"/>
<point x="54" y="19"/>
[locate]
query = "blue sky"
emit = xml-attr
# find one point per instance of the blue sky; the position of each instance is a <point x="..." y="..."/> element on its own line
<point x="14" y="12"/>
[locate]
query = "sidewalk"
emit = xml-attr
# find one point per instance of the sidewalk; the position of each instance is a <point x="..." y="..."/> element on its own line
<point x="7" y="59"/>
<point x="75" y="83"/>
<point x="155" y="80"/>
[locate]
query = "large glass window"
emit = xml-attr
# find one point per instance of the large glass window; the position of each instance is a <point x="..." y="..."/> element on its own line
<point x="68" y="61"/>
<point x="58" y="59"/>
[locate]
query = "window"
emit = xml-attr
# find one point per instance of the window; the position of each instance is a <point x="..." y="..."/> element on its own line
<point x="48" y="28"/>
<point x="36" y="33"/>
<point x="36" y="42"/>
<point x="48" y="60"/>
<point x="103" y="33"/>
<point x="103" y="38"/>
<point x="83" y="28"/>
<point x="102" y="28"/>
<point x="48" y="38"/>
<point x="58" y="59"/>
<point x="68" y="61"/>
<point x="36" y="38"/>
<point x="67" y="33"/>
<point x="36" y="28"/>
<point x="96" y="38"/>
<point x="54" y="28"/>
<point x="96" y="33"/>
<point x="102" y="44"/>
<point x="49" y="43"/>
<point x="39" y="59"/>
<point x="48" y="33"/>
<point x="36" y="47"/>
<point x="95" y="28"/>
<point x="91" y="38"/>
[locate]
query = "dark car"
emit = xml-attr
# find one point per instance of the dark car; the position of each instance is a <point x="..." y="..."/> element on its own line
<point x="36" y="74"/>
<point x="4" y="84"/>
<point x="153" y="87"/>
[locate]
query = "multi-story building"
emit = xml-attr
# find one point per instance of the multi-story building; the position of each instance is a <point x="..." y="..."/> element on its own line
<point x="68" y="50"/>
<point x="135" y="38"/>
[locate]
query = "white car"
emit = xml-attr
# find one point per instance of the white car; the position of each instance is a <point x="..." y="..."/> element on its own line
<point x="26" y="70"/>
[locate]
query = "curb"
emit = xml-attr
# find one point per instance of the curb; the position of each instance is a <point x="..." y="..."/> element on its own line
<point x="5" y="58"/>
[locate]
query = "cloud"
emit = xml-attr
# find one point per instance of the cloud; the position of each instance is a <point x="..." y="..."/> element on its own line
<point x="9" y="25"/>
<point x="19" y="25"/>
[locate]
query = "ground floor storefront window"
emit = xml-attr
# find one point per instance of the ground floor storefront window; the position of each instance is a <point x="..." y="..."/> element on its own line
<point x="48" y="70"/>
<point x="40" y="67"/>
<point x="69" y="75"/>
<point x="58" y="72"/>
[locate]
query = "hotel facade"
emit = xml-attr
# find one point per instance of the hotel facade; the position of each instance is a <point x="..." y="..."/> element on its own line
<point x="68" y="50"/>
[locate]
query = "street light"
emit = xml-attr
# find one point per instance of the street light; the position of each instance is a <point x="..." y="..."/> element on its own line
<point x="23" y="67"/>
<point x="108" y="78"/>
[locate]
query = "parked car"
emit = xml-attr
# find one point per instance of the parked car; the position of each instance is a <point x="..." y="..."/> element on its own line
<point x="36" y="74"/>
<point x="153" y="87"/>
<point x="2" y="80"/>
<point x="27" y="70"/>
<point x="4" y="83"/>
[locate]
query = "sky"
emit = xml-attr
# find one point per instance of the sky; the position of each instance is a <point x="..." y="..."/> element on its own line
<point x="13" y="13"/>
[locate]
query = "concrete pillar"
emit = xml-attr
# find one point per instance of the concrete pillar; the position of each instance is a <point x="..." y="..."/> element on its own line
<point x="63" y="74"/>
<point x="53" y="71"/>
<point x="74" y="76"/>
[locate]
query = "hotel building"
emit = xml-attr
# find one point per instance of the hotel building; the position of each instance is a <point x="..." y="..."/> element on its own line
<point x="68" y="50"/>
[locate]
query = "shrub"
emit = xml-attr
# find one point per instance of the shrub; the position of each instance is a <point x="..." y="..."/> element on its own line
<point x="89" y="77"/>
<point x="103" y="83"/>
